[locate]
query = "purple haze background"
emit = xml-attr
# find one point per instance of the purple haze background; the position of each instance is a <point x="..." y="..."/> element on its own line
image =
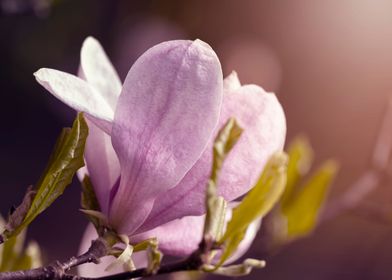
<point x="330" y="63"/>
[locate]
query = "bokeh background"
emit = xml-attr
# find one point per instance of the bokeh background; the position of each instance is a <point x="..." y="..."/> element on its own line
<point x="329" y="62"/>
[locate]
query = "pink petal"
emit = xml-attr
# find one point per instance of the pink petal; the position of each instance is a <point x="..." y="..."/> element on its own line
<point x="98" y="71"/>
<point x="182" y="236"/>
<point x="98" y="270"/>
<point x="231" y="82"/>
<point x="82" y="172"/>
<point x="165" y="116"/>
<point x="176" y="238"/>
<point x="75" y="92"/>
<point x="262" y="118"/>
<point x="102" y="164"/>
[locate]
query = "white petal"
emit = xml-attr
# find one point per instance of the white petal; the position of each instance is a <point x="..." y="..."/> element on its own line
<point x="74" y="92"/>
<point x="99" y="72"/>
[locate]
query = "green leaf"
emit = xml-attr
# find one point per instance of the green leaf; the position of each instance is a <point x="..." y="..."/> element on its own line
<point x="256" y="204"/>
<point x="30" y="259"/>
<point x="13" y="257"/>
<point x="66" y="159"/>
<point x="236" y="270"/>
<point x="124" y="260"/>
<point x="89" y="200"/>
<point x="216" y="205"/>
<point x="90" y="206"/>
<point x="10" y="252"/>
<point x="303" y="211"/>
<point x="300" y="160"/>
<point x="17" y="216"/>
<point x="154" y="256"/>
<point x="225" y="140"/>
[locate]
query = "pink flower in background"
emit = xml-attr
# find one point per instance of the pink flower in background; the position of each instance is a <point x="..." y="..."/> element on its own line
<point x="149" y="150"/>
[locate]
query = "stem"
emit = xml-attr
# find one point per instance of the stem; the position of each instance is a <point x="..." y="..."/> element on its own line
<point x="57" y="270"/>
<point x="98" y="249"/>
<point x="193" y="262"/>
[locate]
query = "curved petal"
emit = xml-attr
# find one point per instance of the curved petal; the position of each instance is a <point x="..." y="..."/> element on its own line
<point x="98" y="71"/>
<point x="74" y="92"/>
<point x="81" y="173"/>
<point x="102" y="164"/>
<point x="97" y="270"/>
<point x="176" y="238"/>
<point x="231" y="82"/>
<point x="182" y="236"/>
<point x="262" y="118"/>
<point x="165" y="116"/>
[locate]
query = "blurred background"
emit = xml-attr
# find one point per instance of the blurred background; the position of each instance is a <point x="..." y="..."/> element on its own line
<point x="329" y="62"/>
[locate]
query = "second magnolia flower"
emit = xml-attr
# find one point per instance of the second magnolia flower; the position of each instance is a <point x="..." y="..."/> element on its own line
<point x="149" y="150"/>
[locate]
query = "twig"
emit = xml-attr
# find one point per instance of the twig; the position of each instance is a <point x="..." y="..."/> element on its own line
<point x="192" y="263"/>
<point x="57" y="270"/>
<point x="98" y="249"/>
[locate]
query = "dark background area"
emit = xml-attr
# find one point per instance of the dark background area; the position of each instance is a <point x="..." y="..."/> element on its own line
<point x="330" y="63"/>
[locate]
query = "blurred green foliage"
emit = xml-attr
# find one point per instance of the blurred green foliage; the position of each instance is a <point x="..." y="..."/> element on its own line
<point x="14" y="256"/>
<point x="303" y="199"/>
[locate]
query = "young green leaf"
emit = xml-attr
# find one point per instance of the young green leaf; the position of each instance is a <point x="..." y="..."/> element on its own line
<point x="303" y="211"/>
<point x="124" y="259"/>
<point x="67" y="158"/>
<point x="224" y="142"/>
<point x="236" y="270"/>
<point x="13" y="257"/>
<point x="90" y="206"/>
<point x="30" y="258"/>
<point x="17" y="216"/>
<point x="11" y="249"/>
<point x="256" y="204"/>
<point x="154" y="256"/>
<point x="216" y="205"/>
<point x="300" y="160"/>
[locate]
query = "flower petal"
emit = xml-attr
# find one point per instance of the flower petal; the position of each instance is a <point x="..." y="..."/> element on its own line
<point x="165" y="116"/>
<point x="74" y="92"/>
<point x="102" y="164"/>
<point x="97" y="270"/>
<point x="98" y="71"/>
<point x="182" y="236"/>
<point x="176" y="238"/>
<point x="262" y="118"/>
<point x="231" y="82"/>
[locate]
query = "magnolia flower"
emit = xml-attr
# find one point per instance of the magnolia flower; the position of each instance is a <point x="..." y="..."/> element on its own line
<point x="149" y="149"/>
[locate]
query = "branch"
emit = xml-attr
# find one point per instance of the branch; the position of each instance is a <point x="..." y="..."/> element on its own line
<point x="100" y="248"/>
<point x="193" y="262"/>
<point x="57" y="270"/>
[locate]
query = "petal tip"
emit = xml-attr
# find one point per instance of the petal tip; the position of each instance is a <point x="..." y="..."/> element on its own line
<point x="232" y="82"/>
<point x="90" y="40"/>
<point x="38" y="74"/>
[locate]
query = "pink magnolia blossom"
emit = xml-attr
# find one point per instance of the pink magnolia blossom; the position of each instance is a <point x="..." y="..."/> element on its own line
<point x="149" y="149"/>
